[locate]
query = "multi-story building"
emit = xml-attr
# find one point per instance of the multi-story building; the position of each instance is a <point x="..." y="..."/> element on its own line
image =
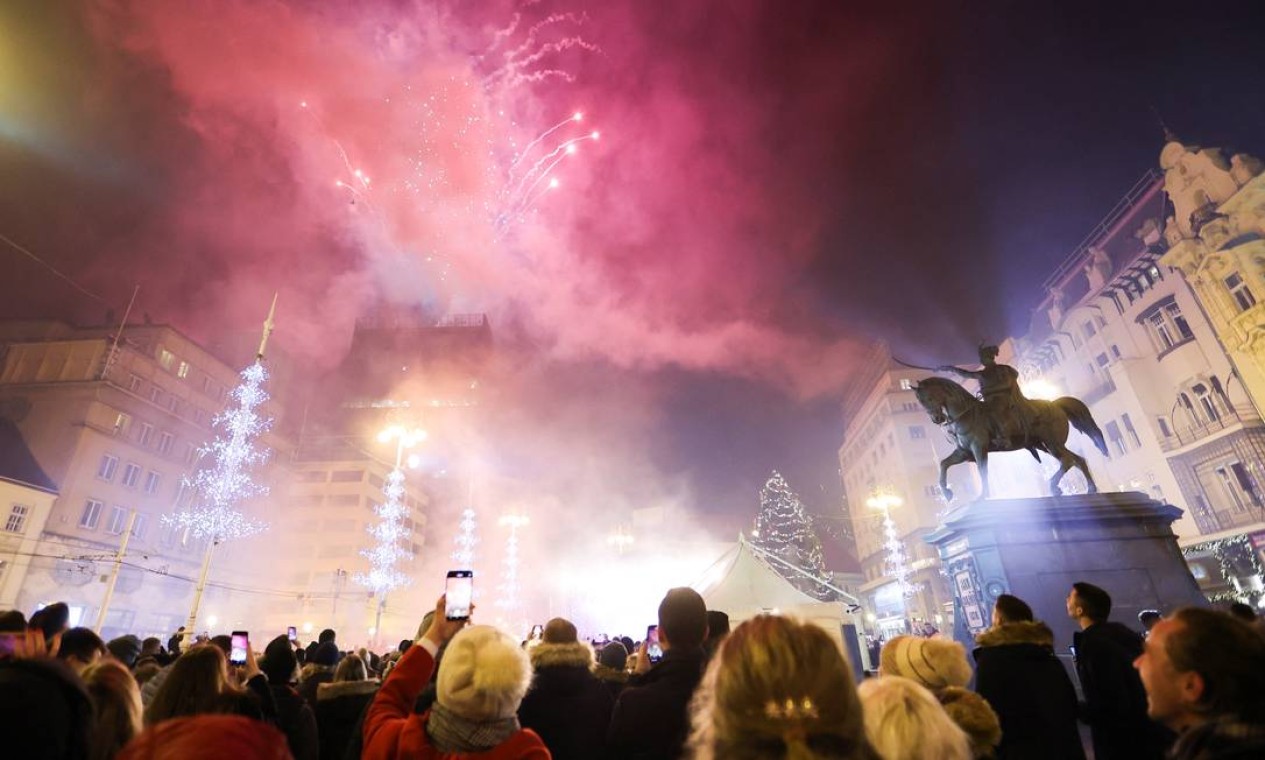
<point x="26" y="500"/>
<point x="890" y="448"/>
<point x="117" y="425"/>
<point x="1125" y="333"/>
<point x="1216" y="239"/>
<point x="337" y="486"/>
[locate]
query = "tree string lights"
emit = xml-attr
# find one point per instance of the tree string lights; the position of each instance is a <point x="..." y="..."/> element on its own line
<point x="467" y="538"/>
<point x="782" y="529"/>
<point x="509" y="597"/>
<point x="389" y="534"/>
<point x="220" y="488"/>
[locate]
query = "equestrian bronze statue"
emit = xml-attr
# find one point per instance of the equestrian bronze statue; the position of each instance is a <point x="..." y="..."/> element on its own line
<point x="1003" y="420"/>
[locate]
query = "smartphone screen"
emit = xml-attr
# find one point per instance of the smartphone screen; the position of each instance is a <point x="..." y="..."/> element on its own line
<point x="653" y="651"/>
<point x="459" y="590"/>
<point x="536" y="632"/>
<point x="293" y="633"/>
<point x="241" y="641"/>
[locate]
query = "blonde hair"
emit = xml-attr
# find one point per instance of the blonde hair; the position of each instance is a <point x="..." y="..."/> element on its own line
<point x="116" y="707"/>
<point x="934" y="663"/>
<point x="352" y="668"/>
<point x="778" y="688"/>
<point x="905" y="722"/>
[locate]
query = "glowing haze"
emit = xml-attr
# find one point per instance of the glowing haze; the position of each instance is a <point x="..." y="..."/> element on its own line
<point x="349" y="153"/>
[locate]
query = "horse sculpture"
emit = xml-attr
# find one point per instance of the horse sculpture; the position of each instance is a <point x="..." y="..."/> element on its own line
<point x="965" y="417"/>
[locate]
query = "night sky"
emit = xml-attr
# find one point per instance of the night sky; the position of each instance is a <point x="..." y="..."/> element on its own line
<point x="773" y="183"/>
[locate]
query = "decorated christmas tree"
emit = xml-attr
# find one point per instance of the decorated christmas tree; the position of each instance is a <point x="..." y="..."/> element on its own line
<point x="784" y="530"/>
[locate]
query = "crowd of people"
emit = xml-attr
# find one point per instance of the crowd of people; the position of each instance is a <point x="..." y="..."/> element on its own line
<point x="1190" y="687"/>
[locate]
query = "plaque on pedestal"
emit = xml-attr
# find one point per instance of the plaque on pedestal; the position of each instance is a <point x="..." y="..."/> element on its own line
<point x="1037" y="548"/>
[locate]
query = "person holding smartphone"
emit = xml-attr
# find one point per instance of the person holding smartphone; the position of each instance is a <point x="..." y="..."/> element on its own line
<point x="651" y="717"/>
<point x="481" y="683"/>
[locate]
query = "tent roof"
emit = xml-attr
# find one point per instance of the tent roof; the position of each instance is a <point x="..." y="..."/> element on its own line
<point x="745" y="585"/>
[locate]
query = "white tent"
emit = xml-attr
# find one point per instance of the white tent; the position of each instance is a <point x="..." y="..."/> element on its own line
<point x="743" y="584"/>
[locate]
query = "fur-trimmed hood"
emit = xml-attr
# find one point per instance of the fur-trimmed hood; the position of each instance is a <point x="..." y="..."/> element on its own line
<point x="973" y="715"/>
<point x="573" y="655"/>
<point x="337" y="689"/>
<point x="1025" y="632"/>
<point x="311" y="669"/>
<point x="604" y="673"/>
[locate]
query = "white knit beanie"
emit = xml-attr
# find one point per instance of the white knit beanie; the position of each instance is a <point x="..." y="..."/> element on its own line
<point x="934" y="663"/>
<point x="483" y="675"/>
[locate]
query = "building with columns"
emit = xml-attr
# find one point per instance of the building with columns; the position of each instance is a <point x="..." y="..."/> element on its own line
<point x="1123" y="330"/>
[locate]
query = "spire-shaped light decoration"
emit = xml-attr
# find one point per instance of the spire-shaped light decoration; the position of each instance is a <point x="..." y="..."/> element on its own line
<point x="467" y="538"/>
<point x="389" y="534"/>
<point x="508" y="600"/>
<point x="220" y="488"/>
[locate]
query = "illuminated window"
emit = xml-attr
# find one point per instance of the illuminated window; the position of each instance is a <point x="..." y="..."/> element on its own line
<point x="166" y="358"/>
<point x="906" y="384"/>
<point x="183" y="370"/>
<point x="121" y="421"/>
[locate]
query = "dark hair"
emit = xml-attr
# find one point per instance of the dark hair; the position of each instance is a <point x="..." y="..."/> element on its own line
<point x="12" y="621"/>
<point x="151" y="645"/>
<point x="45" y="711"/>
<point x="1095" y="602"/>
<point x="279" y="661"/>
<point x="613" y="655"/>
<point x="326" y="635"/>
<point x="1243" y="612"/>
<point x="1012" y="609"/>
<point x="1228" y="655"/>
<point x="225" y="643"/>
<point x="51" y="619"/>
<point x="404" y="645"/>
<point x="80" y="643"/>
<point x="683" y="618"/>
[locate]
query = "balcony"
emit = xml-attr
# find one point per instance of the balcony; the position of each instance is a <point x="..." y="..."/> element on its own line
<point x="1234" y="416"/>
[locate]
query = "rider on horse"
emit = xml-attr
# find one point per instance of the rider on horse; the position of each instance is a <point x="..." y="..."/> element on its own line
<point x="999" y="390"/>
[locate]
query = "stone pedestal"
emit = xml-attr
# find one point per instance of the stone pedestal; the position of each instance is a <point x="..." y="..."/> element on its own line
<point x="1037" y="548"/>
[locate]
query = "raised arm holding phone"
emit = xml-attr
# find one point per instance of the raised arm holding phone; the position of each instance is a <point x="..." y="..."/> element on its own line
<point x="481" y="683"/>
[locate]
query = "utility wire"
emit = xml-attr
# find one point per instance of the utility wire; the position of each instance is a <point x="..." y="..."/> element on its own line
<point x="24" y="251"/>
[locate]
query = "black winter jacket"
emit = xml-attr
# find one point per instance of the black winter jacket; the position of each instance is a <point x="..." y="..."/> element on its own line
<point x="651" y="718"/>
<point x="567" y="705"/>
<point x="1026" y="685"/>
<point x="1115" y="701"/>
<point x="339" y="706"/>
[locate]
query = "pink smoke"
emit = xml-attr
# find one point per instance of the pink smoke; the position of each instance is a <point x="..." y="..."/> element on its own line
<point x="677" y="239"/>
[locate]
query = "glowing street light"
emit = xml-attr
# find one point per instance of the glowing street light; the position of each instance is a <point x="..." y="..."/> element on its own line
<point x="621" y="539"/>
<point x="1040" y="388"/>
<point x="885" y="502"/>
<point x="390" y="531"/>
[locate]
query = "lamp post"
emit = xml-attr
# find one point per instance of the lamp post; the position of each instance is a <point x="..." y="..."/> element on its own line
<point x="884" y="502"/>
<point x="383" y="575"/>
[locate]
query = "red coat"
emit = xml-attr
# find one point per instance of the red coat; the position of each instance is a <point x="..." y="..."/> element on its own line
<point x="394" y="732"/>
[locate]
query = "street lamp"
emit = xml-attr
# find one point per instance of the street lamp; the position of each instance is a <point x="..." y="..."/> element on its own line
<point x="621" y="539"/>
<point x="885" y="502"/>
<point x="383" y="575"/>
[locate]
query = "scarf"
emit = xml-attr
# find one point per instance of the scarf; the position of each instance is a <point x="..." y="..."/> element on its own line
<point x="452" y="733"/>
